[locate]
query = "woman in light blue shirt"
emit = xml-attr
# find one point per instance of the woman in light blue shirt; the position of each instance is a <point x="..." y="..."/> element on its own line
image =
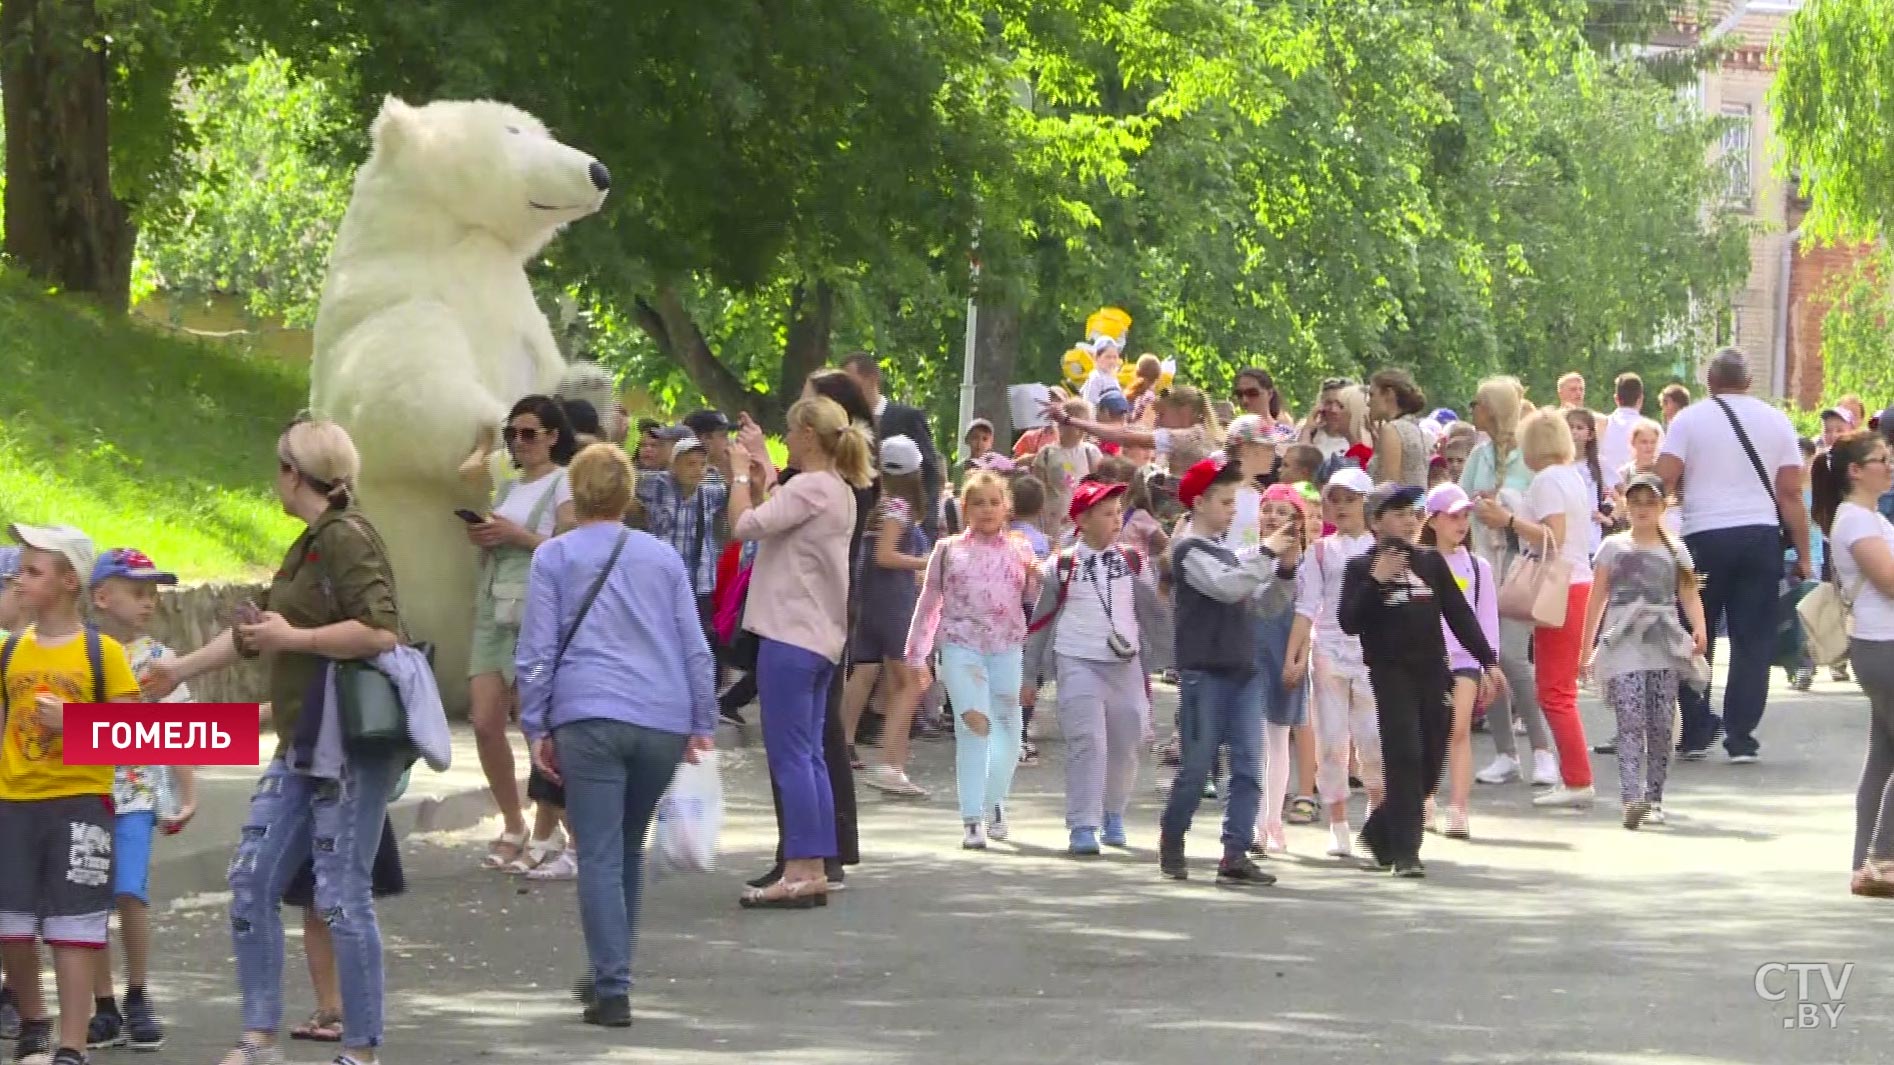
<point x="617" y="686"/>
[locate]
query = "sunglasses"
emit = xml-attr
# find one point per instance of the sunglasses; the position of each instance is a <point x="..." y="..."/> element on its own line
<point x="1249" y="393"/>
<point x="523" y="435"/>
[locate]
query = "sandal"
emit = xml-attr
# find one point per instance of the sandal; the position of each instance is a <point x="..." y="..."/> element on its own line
<point x="1302" y="810"/>
<point x="787" y="895"/>
<point x="561" y="866"/>
<point x="505" y="849"/>
<point x="321" y="1027"/>
<point x="537" y="853"/>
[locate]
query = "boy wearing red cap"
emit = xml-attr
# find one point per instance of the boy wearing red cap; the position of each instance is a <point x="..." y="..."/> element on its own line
<point x="1090" y="589"/>
<point x="1220" y="694"/>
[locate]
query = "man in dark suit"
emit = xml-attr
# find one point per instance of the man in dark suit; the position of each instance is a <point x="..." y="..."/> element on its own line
<point x="897" y="419"/>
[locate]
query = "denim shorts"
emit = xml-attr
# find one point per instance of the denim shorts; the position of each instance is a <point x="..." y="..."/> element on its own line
<point x="131" y="854"/>
<point x="56" y="881"/>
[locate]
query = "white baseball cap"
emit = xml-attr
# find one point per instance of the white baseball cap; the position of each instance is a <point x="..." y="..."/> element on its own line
<point x="899" y="456"/>
<point x="1353" y="478"/>
<point x="684" y="446"/>
<point x="62" y="540"/>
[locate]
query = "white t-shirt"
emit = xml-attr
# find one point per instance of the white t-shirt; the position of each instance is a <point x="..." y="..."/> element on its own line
<point x="1874" y="612"/>
<point x="1614" y="442"/>
<point x="519" y="503"/>
<point x="1561" y="490"/>
<point x="1720" y="486"/>
<point x="1098" y="578"/>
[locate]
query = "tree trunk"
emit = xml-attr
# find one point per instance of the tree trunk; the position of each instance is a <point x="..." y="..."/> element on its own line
<point x="63" y="225"/>
<point x="668" y="323"/>
<point x="995" y="354"/>
<point x="805" y="349"/>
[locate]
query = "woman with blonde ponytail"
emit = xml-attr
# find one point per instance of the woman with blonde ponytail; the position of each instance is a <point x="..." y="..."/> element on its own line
<point x="1496" y="478"/>
<point x="1187" y="429"/>
<point x="798" y="609"/>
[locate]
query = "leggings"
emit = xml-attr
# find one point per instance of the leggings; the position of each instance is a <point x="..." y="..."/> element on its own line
<point x="1411" y="698"/>
<point x="1344" y="712"/>
<point x="983" y="765"/>
<point x="1275" y="778"/>
<point x="1522" y="698"/>
<point x="1874" y="797"/>
<point x="1644" y="703"/>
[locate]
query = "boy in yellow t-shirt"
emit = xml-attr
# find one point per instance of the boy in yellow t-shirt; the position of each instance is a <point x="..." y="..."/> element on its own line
<point x="55" y="819"/>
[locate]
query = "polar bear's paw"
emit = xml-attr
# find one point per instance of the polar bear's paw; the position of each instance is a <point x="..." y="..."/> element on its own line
<point x="473" y="469"/>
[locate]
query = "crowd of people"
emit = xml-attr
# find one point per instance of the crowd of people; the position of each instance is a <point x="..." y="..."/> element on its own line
<point x="1342" y="602"/>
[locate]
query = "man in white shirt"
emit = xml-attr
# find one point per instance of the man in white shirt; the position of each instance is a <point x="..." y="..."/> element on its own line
<point x="1614" y="443"/>
<point x="1733" y="523"/>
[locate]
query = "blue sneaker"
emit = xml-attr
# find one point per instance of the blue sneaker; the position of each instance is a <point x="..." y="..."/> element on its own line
<point x="1084" y="841"/>
<point x="1114" y="833"/>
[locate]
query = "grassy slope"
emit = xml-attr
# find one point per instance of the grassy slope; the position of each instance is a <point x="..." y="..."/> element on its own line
<point x="141" y="439"/>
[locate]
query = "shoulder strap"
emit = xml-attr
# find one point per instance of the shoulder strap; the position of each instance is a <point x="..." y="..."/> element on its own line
<point x="591" y="594"/>
<point x="1065" y="567"/>
<point x="95" y="658"/>
<point x="539" y="507"/>
<point x="6" y="656"/>
<point x="1755" y="460"/>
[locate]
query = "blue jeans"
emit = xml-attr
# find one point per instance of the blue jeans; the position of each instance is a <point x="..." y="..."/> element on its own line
<point x="794" y="685"/>
<point x="983" y="765"/>
<point x="1742" y="574"/>
<point x="337" y="823"/>
<point x="1213" y="709"/>
<point x="615" y="773"/>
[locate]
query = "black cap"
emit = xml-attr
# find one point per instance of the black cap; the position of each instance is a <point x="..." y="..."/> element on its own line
<point x="1392" y="496"/>
<point x="707" y="421"/>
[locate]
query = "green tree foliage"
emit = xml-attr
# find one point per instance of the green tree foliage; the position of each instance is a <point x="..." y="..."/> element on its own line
<point x="1835" y="64"/>
<point x="261" y="193"/>
<point x="1858" y="332"/>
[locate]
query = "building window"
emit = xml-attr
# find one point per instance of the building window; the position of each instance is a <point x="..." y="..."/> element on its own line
<point x="1736" y="155"/>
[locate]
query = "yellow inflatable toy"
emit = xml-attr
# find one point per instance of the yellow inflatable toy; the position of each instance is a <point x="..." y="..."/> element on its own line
<point x="1108" y="323"/>
<point x="1076" y="364"/>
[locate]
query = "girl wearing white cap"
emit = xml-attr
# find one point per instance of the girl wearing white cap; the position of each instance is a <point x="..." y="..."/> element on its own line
<point x="894" y="552"/>
<point x="1344" y="701"/>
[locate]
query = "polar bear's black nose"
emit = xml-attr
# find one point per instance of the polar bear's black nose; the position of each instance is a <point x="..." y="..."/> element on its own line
<point x="601" y="177"/>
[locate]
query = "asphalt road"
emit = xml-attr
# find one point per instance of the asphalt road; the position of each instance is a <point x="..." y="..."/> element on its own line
<point x="1555" y="938"/>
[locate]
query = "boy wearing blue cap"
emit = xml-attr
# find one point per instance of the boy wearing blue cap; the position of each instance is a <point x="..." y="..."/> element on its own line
<point x="145" y="800"/>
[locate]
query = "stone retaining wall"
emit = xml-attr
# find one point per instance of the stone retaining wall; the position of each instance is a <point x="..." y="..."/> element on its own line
<point x="188" y="616"/>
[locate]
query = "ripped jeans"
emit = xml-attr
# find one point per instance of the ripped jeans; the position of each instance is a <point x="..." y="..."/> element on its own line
<point x="338" y="822"/>
<point x="983" y="765"/>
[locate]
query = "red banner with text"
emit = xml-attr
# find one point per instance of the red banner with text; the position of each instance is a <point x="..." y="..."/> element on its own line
<point x="162" y="734"/>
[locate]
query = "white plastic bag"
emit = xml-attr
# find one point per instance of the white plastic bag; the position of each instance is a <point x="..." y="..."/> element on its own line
<point x="689" y="819"/>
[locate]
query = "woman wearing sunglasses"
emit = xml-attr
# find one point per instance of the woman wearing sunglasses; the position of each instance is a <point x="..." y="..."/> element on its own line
<point x="529" y="509"/>
<point x="1255" y="393"/>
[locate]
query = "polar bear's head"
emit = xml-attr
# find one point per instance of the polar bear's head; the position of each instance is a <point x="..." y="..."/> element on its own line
<point x="485" y="166"/>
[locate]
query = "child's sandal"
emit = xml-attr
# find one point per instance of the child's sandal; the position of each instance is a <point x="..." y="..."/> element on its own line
<point x="321" y="1027"/>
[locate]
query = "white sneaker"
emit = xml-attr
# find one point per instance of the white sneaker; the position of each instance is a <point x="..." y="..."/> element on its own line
<point x="1519" y="726"/>
<point x="565" y="866"/>
<point x="1502" y="768"/>
<point x="975" y="839"/>
<point x="1656" y="816"/>
<point x="1340" y="845"/>
<point x="1545" y="769"/>
<point x="1562" y="796"/>
<point x="996" y="829"/>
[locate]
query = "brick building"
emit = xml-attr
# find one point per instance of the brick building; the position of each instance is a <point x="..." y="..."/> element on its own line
<point x="1777" y="316"/>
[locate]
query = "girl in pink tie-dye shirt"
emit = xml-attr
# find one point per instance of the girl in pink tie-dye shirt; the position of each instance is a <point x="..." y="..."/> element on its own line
<point x="970" y="602"/>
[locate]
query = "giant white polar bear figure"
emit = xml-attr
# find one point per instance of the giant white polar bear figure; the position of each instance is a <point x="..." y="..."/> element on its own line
<point x="428" y="332"/>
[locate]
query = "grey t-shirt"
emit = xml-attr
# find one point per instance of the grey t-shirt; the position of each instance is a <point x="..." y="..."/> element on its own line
<point x="1643" y="583"/>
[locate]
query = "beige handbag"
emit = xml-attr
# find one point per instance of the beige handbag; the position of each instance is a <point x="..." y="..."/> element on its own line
<point x="1538" y="587"/>
<point x="1828" y="622"/>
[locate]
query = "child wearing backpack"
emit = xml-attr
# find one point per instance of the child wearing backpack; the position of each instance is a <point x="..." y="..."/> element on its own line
<point x="1090" y="591"/>
<point x="55" y="819"/>
<point x="145" y="801"/>
<point x="969" y="607"/>
<point x="1220" y="697"/>
<point x="1637" y="643"/>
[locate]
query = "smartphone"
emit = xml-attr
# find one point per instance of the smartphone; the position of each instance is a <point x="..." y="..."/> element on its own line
<point x="470" y="517"/>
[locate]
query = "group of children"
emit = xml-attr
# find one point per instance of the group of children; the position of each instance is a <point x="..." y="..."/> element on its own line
<point x="77" y="839"/>
<point x="1364" y="603"/>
